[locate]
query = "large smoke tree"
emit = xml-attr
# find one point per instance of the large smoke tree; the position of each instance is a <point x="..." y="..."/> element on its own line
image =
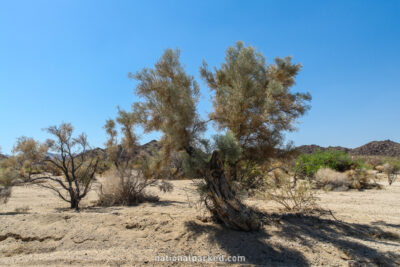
<point x="253" y="99"/>
<point x="253" y="102"/>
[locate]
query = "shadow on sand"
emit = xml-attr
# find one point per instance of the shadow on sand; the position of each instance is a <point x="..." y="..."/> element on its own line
<point x="253" y="245"/>
<point x="99" y="209"/>
<point x="383" y="223"/>
<point x="11" y="213"/>
<point x="309" y="231"/>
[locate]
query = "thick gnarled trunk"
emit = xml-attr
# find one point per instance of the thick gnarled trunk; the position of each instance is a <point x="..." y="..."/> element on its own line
<point x="223" y="203"/>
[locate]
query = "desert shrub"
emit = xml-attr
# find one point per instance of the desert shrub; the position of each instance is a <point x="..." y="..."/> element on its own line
<point x="280" y="187"/>
<point x="246" y="176"/>
<point x="391" y="170"/>
<point x="126" y="192"/>
<point x="292" y="196"/>
<point x="329" y="179"/>
<point x="165" y="186"/>
<point x="126" y="186"/>
<point x="308" y="164"/>
<point x="130" y="175"/>
<point x="362" y="179"/>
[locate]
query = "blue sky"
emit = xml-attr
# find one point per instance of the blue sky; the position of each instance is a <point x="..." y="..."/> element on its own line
<point x="67" y="60"/>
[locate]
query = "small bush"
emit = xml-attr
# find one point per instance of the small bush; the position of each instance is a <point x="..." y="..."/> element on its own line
<point x="391" y="170"/>
<point x="293" y="197"/>
<point x="307" y="165"/>
<point x="249" y="176"/>
<point x="165" y="186"/>
<point x="129" y="191"/>
<point x="361" y="179"/>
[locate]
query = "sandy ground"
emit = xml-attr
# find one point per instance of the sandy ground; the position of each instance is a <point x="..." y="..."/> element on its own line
<point x="366" y="232"/>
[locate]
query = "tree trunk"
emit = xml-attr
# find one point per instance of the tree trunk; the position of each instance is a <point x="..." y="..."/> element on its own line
<point x="223" y="203"/>
<point x="74" y="202"/>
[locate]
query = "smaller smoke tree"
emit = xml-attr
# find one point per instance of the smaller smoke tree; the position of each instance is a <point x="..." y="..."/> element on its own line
<point x="63" y="164"/>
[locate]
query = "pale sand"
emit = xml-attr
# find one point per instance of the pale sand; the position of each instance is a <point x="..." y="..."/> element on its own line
<point x="132" y="236"/>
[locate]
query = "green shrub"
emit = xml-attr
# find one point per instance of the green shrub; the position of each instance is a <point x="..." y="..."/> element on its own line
<point x="308" y="164"/>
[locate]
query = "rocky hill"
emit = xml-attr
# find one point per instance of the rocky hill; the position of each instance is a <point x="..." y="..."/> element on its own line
<point x="378" y="148"/>
<point x="309" y="149"/>
<point x="374" y="148"/>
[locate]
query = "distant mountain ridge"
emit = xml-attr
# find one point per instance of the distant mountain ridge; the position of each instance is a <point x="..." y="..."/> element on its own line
<point x="374" y="148"/>
<point x="309" y="149"/>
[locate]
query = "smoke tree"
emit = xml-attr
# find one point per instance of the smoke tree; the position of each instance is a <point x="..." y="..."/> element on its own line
<point x="66" y="166"/>
<point x="252" y="101"/>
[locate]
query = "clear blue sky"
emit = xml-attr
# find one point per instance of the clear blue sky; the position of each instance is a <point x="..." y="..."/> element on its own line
<point x="67" y="60"/>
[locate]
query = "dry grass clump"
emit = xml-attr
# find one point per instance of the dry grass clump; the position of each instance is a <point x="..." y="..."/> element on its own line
<point x="129" y="191"/>
<point x="331" y="180"/>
